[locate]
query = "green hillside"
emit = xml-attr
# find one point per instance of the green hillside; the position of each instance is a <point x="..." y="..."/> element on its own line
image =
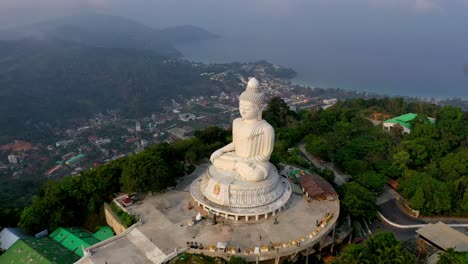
<point x="47" y="83"/>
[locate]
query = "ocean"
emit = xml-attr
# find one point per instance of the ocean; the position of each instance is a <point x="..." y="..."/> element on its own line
<point x="427" y="71"/>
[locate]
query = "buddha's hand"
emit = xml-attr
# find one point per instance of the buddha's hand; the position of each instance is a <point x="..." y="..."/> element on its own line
<point x="244" y="166"/>
<point x="216" y="154"/>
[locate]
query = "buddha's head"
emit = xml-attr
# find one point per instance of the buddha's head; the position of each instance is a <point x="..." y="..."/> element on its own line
<point x="251" y="101"/>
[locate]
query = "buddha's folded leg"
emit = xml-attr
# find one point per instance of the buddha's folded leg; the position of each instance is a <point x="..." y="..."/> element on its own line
<point x="250" y="171"/>
<point x="224" y="163"/>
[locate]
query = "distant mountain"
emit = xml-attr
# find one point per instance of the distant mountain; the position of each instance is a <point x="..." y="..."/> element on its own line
<point x="108" y="31"/>
<point x="181" y="34"/>
<point x="46" y="83"/>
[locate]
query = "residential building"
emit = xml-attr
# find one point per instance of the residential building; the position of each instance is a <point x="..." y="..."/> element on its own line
<point x="403" y="121"/>
<point x="13" y="159"/>
<point x="74" y="160"/>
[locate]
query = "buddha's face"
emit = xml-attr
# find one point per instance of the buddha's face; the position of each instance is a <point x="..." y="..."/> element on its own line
<point x="248" y="110"/>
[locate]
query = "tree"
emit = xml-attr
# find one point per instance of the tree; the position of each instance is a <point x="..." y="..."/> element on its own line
<point x="212" y="135"/>
<point x="450" y="256"/>
<point x="380" y="248"/>
<point x="278" y="113"/>
<point x="34" y="217"/>
<point x="358" y="201"/>
<point x="318" y="146"/>
<point x="418" y="201"/>
<point x="421" y="187"/>
<point x="353" y="254"/>
<point x="371" y="180"/>
<point x="401" y="159"/>
<point x="236" y="260"/>
<point x="145" y="172"/>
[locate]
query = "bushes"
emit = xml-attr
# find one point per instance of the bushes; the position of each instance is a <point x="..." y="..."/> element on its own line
<point x="125" y="218"/>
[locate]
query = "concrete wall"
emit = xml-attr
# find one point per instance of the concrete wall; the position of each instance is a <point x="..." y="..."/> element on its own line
<point x="112" y="220"/>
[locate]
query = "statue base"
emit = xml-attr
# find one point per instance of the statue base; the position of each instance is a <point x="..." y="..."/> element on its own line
<point x="224" y="194"/>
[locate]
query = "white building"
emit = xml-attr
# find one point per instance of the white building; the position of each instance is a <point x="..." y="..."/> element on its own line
<point x="64" y="143"/>
<point x="103" y="141"/>
<point x="187" y="117"/>
<point x="13" y="159"/>
<point x="330" y="101"/>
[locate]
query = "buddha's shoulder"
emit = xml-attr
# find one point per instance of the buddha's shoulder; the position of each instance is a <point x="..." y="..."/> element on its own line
<point x="267" y="126"/>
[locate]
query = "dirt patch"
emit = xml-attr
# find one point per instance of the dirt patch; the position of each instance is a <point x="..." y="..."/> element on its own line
<point x="17" y="146"/>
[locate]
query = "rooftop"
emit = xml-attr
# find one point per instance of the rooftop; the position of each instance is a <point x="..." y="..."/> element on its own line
<point x="104" y="233"/>
<point x="444" y="236"/>
<point x="74" y="159"/>
<point x="38" y="251"/>
<point x="316" y="185"/>
<point x="403" y="120"/>
<point x="73" y="238"/>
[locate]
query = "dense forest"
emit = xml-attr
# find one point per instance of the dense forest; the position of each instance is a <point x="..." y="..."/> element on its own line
<point x="430" y="163"/>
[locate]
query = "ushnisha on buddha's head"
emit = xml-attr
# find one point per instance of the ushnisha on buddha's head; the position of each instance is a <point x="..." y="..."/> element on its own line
<point x="251" y="101"/>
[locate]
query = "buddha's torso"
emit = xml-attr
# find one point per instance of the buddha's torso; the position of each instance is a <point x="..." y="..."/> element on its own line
<point x="241" y="134"/>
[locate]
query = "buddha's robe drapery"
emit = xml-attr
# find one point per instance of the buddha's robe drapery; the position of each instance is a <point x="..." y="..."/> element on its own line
<point x="258" y="146"/>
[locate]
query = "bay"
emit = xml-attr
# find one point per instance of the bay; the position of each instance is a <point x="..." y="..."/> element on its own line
<point x="383" y="68"/>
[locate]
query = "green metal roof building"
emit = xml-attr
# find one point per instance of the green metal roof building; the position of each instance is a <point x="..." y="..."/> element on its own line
<point x="75" y="159"/>
<point x="404" y="121"/>
<point x="37" y="250"/>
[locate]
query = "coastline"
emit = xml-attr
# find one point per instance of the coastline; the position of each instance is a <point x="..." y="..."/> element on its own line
<point x="198" y="53"/>
<point x="313" y="85"/>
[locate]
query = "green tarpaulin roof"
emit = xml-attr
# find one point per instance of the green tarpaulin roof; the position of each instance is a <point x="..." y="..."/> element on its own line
<point x="104" y="233"/>
<point x="37" y="250"/>
<point x="73" y="238"/>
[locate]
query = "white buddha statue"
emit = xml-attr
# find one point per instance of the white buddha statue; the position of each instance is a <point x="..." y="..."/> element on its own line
<point x="253" y="139"/>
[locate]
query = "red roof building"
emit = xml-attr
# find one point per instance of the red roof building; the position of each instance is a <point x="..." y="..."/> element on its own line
<point x="316" y="187"/>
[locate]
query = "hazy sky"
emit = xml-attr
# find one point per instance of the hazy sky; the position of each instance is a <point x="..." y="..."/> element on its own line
<point x="377" y="40"/>
<point x="228" y="16"/>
